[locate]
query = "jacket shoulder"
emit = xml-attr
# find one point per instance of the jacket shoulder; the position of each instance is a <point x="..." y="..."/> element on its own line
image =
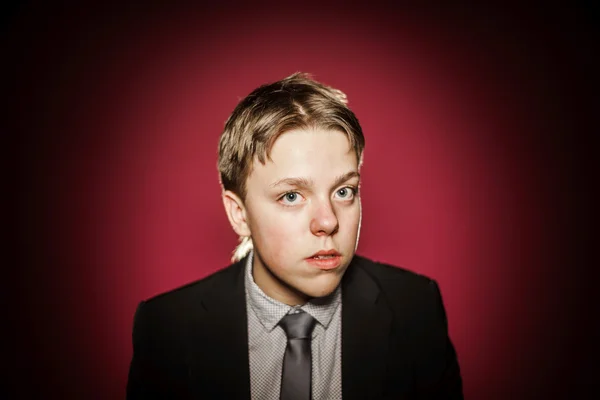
<point x="402" y="288"/>
<point x="179" y="302"/>
<point x="199" y="285"/>
<point x="383" y="273"/>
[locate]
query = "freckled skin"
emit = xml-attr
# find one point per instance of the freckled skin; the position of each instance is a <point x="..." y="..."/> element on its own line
<point x="287" y="229"/>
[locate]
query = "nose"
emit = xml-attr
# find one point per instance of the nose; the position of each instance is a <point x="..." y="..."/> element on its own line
<point x="324" y="221"/>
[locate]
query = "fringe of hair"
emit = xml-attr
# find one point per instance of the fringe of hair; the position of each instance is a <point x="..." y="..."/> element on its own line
<point x="242" y="249"/>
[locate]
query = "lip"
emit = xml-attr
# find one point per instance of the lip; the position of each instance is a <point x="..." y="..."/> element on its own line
<point x="326" y="253"/>
<point x="326" y="263"/>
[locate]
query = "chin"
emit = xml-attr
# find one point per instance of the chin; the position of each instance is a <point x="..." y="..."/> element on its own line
<point x="322" y="294"/>
<point x="321" y="289"/>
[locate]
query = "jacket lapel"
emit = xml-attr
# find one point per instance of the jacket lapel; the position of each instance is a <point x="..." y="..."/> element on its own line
<point x="366" y="321"/>
<point x="219" y="338"/>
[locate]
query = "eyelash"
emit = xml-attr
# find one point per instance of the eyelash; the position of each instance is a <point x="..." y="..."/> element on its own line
<point x="353" y="190"/>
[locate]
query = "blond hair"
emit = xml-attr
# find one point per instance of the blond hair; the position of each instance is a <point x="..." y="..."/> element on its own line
<point x="296" y="102"/>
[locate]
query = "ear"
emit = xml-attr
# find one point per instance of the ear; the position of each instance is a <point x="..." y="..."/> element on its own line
<point x="236" y="212"/>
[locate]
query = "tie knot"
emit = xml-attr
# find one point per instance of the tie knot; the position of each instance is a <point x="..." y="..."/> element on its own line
<point x="298" y="326"/>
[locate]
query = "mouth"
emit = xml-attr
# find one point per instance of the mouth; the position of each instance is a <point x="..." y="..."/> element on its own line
<point x="325" y="253"/>
<point x="325" y="259"/>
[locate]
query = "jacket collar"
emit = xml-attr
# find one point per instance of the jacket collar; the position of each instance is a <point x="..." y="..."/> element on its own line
<point x="366" y="322"/>
<point x="219" y="338"/>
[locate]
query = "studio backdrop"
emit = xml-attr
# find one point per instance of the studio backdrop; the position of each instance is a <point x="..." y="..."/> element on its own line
<point x="467" y="115"/>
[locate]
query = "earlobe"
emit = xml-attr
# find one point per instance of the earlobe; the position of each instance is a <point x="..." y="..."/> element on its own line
<point x="236" y="213"/>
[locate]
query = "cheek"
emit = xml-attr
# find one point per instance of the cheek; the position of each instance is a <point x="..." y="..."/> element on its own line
<point x="281" y="225"/>
<point x="277" y="235"/>
<point x="350" y="218"/>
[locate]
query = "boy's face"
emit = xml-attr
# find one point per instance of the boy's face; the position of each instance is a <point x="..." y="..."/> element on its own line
<point x="303" y="201"/>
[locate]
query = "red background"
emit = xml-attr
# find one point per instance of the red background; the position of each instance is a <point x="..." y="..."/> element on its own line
<point x="474" y="174"/>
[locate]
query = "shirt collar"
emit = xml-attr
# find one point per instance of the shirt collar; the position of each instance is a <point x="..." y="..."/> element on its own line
<point x="270" y="311"/>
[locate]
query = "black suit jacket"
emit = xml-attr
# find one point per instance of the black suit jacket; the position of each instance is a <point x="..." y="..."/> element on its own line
<point x="192" y="343"/>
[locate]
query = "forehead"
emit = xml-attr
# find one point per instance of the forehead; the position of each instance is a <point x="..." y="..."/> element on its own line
<point x="314" y="153"/>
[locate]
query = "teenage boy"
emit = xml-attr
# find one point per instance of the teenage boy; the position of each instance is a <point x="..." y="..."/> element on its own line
<point x="298" y="315"/>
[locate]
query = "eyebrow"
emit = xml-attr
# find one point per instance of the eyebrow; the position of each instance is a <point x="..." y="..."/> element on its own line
<point x="306" y="183"/>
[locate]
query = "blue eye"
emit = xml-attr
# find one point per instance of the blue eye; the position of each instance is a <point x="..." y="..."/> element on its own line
<point x="291" y="197"/>
<point x="346" y="192"/>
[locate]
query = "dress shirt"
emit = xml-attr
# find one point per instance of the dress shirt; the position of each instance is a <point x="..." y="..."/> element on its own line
<point x="267" y="341"/>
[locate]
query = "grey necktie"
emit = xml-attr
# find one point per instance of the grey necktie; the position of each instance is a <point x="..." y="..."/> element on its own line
<point x="296" y="372"/>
